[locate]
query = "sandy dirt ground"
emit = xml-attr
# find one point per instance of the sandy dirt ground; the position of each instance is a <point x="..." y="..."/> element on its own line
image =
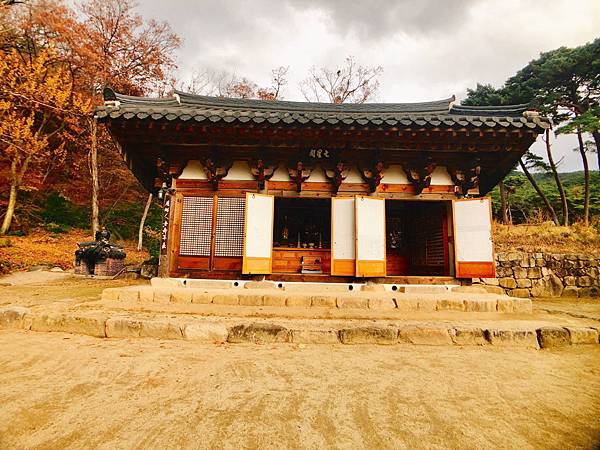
<point x="62" y="391"/>
<point x="34" y="277"/>
<point x="66" y="391"/>
<point x="47" y="288"/>
<point x="582" y="307"/>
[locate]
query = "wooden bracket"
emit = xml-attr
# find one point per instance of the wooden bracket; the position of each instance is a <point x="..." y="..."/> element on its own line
<point x="299" y="174"/>
<point x="419" y="174"/>
<point x="162" y="172"/>
<point x="176" y="169"/>
<point x="337" y="175"/>
<point x="373" y="175"/>
<point x="465" y="178"/>
<point x="262" y="171"/>
<point x="216" y="171"/>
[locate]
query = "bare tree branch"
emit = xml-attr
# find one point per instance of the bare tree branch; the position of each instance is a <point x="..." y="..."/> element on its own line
<point x="352" y="83"/>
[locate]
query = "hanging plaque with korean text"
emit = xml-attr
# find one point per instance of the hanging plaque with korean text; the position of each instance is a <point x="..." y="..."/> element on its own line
<point x="164" y="233"/>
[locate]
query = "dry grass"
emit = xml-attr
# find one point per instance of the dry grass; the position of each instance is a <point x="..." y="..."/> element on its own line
<point x="548" y="238"/>
<point x="41" y="247"/>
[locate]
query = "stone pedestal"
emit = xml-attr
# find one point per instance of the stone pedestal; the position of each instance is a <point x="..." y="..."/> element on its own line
<point x="105" y="268"/>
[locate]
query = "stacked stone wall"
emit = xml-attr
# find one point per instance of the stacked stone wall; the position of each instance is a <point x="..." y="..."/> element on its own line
<point x="523" y="274"/>
<point x="105" y="268"/>
<point x="81" y="267"/>
<point x="108" y="267"/>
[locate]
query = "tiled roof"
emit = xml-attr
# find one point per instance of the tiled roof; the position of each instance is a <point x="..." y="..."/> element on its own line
<point x="188" y="107"/>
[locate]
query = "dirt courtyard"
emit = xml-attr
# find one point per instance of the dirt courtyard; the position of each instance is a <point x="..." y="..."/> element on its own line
<point x="68" y="391"/>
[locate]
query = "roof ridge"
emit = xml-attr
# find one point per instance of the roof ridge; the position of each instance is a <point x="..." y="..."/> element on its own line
<point x="442" y="105"/>
<point x="488" y="110"/>
<point x="516" y="105"/>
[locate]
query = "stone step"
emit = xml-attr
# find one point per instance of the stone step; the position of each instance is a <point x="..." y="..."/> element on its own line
<point x="291" y="286"/>
<point x="297" y="332"/>
<point x="429" y="301"/>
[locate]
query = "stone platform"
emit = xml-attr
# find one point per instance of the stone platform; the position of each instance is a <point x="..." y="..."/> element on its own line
<point x="528" y="334"/>
<point x="320" y="296"/>
<point x="260" y="313"/>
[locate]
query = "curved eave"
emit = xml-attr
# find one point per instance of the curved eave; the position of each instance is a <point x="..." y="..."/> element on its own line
<point x="296" y="118"/>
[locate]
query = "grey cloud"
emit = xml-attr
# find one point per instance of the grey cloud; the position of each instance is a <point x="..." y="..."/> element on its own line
<point x="376" y="19"/>
<point x="227" y="30"/>
<point x="213" y="22"/>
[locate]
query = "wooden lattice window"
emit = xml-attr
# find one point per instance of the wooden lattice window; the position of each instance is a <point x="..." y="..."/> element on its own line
<point x="229" y="236"/>
<point x="196" y="226"/>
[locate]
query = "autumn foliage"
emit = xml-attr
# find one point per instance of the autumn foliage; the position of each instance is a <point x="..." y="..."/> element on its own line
<point x="54" y="62"/>
<point x="39" y="114"/>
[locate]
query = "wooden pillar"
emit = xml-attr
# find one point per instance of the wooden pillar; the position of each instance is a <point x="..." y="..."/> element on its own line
<point x="166" y="236"/>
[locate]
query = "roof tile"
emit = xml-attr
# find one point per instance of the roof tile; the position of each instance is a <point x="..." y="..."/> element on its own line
<point x="183" y="106"/>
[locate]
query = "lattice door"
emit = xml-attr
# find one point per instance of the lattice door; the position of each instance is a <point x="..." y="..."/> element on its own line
<point x="229" y="236"/>
<point x="196" y="226"/>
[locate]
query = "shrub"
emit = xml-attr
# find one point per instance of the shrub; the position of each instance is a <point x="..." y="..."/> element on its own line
<point x="123" y="222"/>
<point x="59" y="213"/>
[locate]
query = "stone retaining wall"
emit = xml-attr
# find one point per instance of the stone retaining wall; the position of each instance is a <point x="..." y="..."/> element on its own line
<point x="523" y="274"/>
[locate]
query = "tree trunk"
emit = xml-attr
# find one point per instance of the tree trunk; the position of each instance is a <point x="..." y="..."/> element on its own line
<point x="586" y="178"/>
<point x="596" y="135"/>
<point x="504" y="204"/>
<point x="94" y="173"/>
<point x="540" y="193"/>
<point x="141" y="230"/>
<point x="559" y="185"/>
<point x="12" y="199"/>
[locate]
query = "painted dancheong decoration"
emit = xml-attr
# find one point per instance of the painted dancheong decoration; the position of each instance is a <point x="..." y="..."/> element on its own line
<point x="321" y="192"/>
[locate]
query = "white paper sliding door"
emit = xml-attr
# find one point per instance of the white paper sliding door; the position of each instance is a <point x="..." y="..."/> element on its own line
<point x="258" y="234"/>
<point x="370" y="237"/>
<point x="473" y="244"/>
<point x="343" y="236"/>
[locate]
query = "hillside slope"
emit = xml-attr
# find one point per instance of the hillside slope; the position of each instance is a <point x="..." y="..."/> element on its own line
<point x="547" y="238"/>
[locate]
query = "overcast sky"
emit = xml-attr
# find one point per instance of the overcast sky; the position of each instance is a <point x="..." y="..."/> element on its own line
<point x="429" y="49"/>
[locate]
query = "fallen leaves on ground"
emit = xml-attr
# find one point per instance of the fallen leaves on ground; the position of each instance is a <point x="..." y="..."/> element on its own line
<point x="41" y="247"/>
